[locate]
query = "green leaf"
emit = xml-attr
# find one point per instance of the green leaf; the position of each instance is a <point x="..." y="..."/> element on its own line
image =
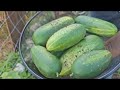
<point x="10" y="75"/>
<point x="7" y="68"/>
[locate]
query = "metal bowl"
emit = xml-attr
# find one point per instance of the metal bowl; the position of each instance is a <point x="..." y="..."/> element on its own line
<point x="26" y="42"/>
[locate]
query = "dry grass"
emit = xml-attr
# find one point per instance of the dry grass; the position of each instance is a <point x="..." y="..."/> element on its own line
<point x="7" y="39"/>
<point x="6" y="44"/>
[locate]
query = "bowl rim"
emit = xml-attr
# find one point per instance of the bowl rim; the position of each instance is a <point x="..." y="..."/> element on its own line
<point x="40" y="77"/>
<point x="20" y="53"/>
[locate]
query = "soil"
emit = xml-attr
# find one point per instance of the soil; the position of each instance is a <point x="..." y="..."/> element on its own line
<point x="116" y="76"/>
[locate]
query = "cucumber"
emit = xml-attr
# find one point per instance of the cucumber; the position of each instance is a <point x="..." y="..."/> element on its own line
<point x="91" y="64"/>
<point x="66" y="37"/>
<point x="97" y="26"/>
<point x="43" y="33"/>
<point x="48" y="64"/>
<point x="89" y="43"/>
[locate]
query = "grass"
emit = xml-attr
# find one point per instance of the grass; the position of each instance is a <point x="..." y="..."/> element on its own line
<point x="7" y="68"/>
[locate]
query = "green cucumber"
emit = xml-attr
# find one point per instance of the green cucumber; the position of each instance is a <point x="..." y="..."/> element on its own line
<point x="91" y="64"/>
<point x="89" y="43"/>
<point x="43" y="33"/>
<point x="48" y="64"/>
<point x="97" y="26"/>
<point x="66" y="37"/>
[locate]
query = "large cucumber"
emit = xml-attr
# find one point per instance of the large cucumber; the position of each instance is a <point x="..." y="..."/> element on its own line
<point x="91" y="64"/>
<point x="42" y="34"/>
<point x="90" y="42"/>
<point x="47" y="64"/>
<point x="97" y="26"/>
<point x="66" y="37"/>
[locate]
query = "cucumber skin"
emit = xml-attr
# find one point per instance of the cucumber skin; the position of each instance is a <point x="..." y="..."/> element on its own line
<point x="48" y="64"/>
<point x="89" y="43"/>
<point x="66" y="37"/>
<point x="97" y="26"/>
<point x="43" y="33"/>
<point x="91" y="64"/>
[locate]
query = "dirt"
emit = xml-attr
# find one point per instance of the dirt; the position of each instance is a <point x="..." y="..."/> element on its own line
<point x="116" y="76"/>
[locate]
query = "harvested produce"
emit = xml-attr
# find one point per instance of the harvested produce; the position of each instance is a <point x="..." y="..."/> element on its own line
<point x="91" y="64"/>
<point x="89" y="43"/>
<point x="42" y="34"/>
<point x="48" y="64"/>
<point x="66" y="37"/>
<point x="97" y="26"/>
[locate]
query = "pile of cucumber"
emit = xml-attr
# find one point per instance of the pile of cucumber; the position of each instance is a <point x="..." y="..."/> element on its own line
<point x="72" y="47"/>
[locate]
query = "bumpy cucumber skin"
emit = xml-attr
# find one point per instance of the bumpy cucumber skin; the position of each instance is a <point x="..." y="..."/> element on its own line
<point x="89" y="43"/>
<point x="97" y="26"/>
<point x="48" y="64"/>
<point x="91" y="64"/>
<point x="66" y="37"/>
<point x="42" y="34"/>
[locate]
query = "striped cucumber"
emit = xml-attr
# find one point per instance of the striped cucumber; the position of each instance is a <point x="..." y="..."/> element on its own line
<point x="43" y="33"/>
<point x="66" y="37"/>
<point x="97" y="26"/>
<point x="91" y="64"/>
<point x="48" y="64"/>
<point x="89" y="43"/>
